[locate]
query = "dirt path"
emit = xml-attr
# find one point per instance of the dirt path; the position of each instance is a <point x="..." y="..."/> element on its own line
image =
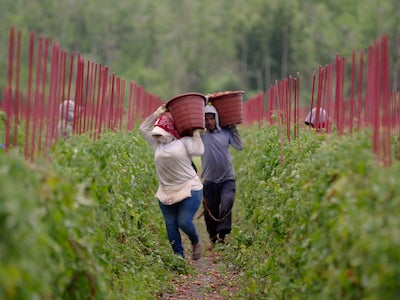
<point x="212" y="278"/>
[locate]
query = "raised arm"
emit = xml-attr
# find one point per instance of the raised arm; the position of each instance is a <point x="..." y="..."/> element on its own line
<point x="235" y="138"/>
<point x="194" y="145"/>
<point x="147" y="125"/>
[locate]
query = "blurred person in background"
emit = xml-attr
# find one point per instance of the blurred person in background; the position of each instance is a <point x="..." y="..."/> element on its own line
<point x="179" y="191"/>
<point x="218" y="175"/>
<point x="315" y="119"/>
<point x="66" y="118"/>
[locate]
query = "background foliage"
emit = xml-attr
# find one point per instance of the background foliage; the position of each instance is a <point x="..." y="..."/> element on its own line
<point x="84" y="225"/>
<point x="170" y="47"/>
<point x="323" y="225"/>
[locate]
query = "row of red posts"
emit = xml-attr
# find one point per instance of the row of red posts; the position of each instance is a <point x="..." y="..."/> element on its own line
<point x="362" y="98"/>
<point x="99" y="96"/>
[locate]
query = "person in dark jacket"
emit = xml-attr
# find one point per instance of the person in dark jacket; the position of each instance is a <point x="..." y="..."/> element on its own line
<point x="218" y="175"/>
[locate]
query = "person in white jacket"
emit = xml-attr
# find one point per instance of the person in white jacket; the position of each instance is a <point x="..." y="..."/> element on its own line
<point x="316" y="118"/>
<point x="66" y="118"/>
<point x="179" y="191"/>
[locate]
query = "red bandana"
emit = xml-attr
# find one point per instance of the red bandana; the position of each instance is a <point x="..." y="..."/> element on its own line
<point x="166" y="123"/>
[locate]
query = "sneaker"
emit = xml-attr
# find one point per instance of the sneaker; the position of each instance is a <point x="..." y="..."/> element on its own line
<point x="196" y="251"/>
<point x="220" y="241"/>
<point x="213" y="239"/>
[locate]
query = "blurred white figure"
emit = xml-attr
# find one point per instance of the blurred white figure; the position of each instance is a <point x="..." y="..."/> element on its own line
<point x="316" y="121"/>
<point x="66" y="112"/>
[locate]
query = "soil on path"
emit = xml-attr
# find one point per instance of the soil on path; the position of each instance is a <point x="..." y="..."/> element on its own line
<point x="212" y="278"/>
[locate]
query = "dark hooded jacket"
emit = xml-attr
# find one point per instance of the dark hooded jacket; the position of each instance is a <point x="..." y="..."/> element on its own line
<point x="217" y="160"/>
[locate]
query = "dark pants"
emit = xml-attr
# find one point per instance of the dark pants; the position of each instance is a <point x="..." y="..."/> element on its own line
<point x="219" y="198"/>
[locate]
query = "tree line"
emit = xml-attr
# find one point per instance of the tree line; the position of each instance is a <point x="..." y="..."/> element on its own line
<point x="172" y="47"/>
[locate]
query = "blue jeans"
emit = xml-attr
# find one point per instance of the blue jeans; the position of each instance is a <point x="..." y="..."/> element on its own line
<point x="180" y="216"/>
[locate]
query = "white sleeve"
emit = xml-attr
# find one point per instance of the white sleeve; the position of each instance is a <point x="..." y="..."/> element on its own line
<point x="147" y="127"/>
<point x="194" y="145"/>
